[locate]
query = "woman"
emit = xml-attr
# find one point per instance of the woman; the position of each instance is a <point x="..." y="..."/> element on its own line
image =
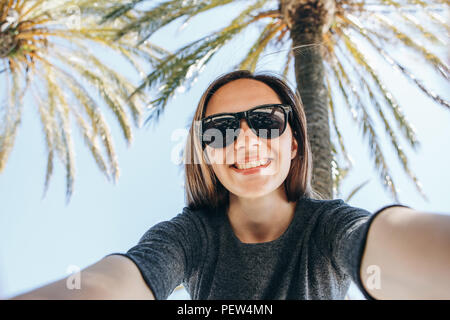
<point x="255" y="229"/>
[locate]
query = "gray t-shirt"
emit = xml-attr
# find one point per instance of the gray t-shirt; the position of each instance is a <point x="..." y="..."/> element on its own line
<point x="315" y="258"/>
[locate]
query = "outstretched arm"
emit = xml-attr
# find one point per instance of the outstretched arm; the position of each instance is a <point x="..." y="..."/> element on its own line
<point x="407" y="255"/>
<point x="114" y="277"/>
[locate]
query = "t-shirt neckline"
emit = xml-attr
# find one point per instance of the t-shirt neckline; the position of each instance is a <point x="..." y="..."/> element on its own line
<point x="230" y="230"/>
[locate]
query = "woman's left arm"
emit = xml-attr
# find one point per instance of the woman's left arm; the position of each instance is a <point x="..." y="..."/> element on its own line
<point x="407" y="255"/>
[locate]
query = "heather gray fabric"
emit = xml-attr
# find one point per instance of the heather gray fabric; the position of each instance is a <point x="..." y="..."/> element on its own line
<point x="315" y="258"/>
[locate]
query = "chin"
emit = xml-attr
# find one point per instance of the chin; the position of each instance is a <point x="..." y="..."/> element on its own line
<point x="251" y="192"/>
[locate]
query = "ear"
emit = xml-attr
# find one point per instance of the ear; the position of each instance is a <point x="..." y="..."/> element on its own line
<point x="294" y="147"/>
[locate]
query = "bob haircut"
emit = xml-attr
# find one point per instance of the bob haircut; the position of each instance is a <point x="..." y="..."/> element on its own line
<point x="202" y="187"/>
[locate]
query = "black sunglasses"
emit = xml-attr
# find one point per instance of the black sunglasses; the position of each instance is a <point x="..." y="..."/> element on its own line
<point x="266" y="121"/>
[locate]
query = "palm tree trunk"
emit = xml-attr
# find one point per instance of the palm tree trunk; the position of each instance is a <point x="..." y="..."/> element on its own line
<point x="307" y="21"/>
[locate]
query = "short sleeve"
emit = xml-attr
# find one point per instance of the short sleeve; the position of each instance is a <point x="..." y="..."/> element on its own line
<point x="342" y="234"/>
<point x="167" y="253"/>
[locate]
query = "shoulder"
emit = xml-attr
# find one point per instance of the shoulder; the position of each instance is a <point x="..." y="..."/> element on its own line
<point x="203" y="215"/>
<point x="333" y="209"/>
<point x="188" y="221"/>
<point x="321" y="204"/>
<point x="189" y="228"/>
<point x="189" y="215"/>
<point x="199" y="221"/>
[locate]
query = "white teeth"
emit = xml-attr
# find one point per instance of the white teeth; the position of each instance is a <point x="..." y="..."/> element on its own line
<point x="252" y="164"/>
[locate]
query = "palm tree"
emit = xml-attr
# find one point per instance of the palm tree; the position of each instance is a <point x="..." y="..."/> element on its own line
<point x="46" y="51"/>
<point x="324" y="49"/>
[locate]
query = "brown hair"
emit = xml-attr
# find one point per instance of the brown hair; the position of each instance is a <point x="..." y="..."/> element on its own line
<point x="204" y="190"/>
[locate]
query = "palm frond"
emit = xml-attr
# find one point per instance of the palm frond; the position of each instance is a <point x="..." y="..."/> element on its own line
<point x="12" y="117"/>
<point x="434" y="60"/>
<point x="337" y="172"/>
<point x="163" y="14"/>
<point x="370" y="37"/>
<point x="48" y="128"/>
<point x="87" y="105"/>
<point x="181" y="68"/>
<point x="364" y="120"/>
<point x="335" y="125"/>
<point x="437" y="19"/>
<point x="287" y="64"/>
<point x="260" y="44"/>
<point x="43" y="45"/>
<point x="359" y="58"/>
<point x="105" y="81"/>
<point x="401" y="155"/>
<point x="119" y="10"/>
<point x="356" y="189"/>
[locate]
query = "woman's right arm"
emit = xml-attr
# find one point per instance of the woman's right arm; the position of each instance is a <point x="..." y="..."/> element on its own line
<point x="113" y="277"/>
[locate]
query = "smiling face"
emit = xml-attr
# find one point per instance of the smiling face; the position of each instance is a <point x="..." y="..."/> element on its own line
<point x="240" y="95"/>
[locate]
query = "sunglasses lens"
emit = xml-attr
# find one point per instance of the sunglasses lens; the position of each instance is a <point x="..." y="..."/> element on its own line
<point x="268" y="121"/>
<point x="220" y="131"/>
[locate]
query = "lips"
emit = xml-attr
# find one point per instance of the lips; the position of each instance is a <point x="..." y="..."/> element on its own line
<point x="252" y="163"/>
<point x="250" y="170"/>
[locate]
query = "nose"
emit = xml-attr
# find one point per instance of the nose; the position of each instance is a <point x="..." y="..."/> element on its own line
<point x="246" y="134"/>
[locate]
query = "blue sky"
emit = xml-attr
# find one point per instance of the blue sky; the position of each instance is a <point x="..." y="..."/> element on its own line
<point x="40" y="239"/>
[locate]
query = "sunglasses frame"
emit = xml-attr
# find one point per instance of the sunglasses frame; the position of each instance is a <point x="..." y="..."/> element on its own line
<point x="244" y="115"/>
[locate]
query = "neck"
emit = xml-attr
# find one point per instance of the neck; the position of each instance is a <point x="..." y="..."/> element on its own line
<point x="261" y="219"/>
